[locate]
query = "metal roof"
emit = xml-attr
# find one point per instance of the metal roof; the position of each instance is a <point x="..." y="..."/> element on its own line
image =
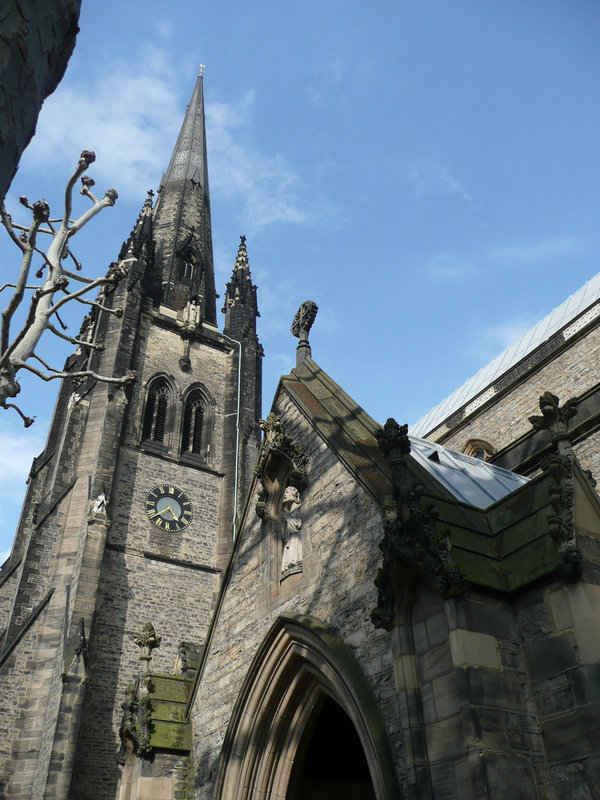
<point x="475" y="388"/>
<point x="470" y="480"/>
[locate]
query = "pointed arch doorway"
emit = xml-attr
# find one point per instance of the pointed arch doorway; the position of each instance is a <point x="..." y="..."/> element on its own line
<point x="305" y="724"/>
<point x="330" y="762"/>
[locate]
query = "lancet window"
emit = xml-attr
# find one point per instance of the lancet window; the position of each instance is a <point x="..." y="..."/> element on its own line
<point x="188" y="267"/>
<point x="193" y="425"/>
<point x="155" y="413"/>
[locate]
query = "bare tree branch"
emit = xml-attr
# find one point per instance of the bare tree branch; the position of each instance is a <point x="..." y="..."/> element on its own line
<point x="10" y="227"/>
<point x="40" y="214"/>
<point x="44" y="363"/>
<point x="14" y="286"/>
<point x="75" y="277"/>
<point x="125" y="380"/>
<point x="43" y="304"/>
<point x="74" y="340"/>
<point x="27" y="421"/>
<point x="78" y="265"/>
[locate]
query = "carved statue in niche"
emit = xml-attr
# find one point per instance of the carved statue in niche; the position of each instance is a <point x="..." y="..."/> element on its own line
<point x="192" y="313"/>
<point x="291" y="515"/>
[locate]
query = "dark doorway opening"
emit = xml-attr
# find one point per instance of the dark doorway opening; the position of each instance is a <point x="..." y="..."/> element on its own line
<point x="331" y="764"/>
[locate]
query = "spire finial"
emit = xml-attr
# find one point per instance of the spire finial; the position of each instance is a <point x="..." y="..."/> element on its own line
<point x="305" y="316"/>
<point x="201" y="70"/>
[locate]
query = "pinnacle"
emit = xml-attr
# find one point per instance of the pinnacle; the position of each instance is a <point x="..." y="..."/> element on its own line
<point x="241" y="261"/>
<point x="141" y="229"/>
<point x="240" y="289"/>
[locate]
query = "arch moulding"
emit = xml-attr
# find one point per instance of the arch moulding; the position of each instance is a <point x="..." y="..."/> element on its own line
<point x="299" y="665"/>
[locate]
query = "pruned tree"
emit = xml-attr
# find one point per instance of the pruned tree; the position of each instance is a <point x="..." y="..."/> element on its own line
<point x="52" y="293"/>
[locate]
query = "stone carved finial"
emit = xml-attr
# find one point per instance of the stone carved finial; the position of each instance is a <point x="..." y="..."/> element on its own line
<point x="281" y="463"/>
<point x="136" y="724"/>
<point x="555" y="419"/>
<point x="561" y="523"/>
<point x="147" y="639"/>
<point x="393" y="439"/>
<point x="303" y="321"/>
<point x="409" y="532"/>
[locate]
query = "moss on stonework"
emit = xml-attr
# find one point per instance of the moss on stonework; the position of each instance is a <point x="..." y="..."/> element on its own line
<point x="169" y="728"/>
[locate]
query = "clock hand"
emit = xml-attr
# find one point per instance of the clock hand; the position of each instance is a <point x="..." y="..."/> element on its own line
<point x="168" y="508"/>
<point x="156" y="514"/>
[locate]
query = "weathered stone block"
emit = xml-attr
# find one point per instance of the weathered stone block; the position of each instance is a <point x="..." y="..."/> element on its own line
<point x="574" y="735"/>
<point x="549" y="656"/>
<point x="470" y="648"/>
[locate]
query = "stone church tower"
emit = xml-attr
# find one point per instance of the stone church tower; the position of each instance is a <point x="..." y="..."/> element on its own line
<point x="130" y="508"/>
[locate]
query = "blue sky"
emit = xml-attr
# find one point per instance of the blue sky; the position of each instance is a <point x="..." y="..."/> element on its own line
<point x="426" y="172"/>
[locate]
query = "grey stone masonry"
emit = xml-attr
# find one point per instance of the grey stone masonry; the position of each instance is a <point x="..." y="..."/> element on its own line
<point x="341" y="530"/>
<point x="504" y="418"/>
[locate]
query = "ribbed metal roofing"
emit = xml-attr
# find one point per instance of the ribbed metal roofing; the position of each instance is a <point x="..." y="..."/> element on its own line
<point x="470" y="480"/>
<point x="473" y="389"/>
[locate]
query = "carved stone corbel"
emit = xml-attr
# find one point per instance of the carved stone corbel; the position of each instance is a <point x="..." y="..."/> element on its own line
<point x="135" y="730"/>
<point x="98" y="510"/>
<point x="560" y="466"/>
<point x="409" y="534"/>
<point x="281" y="463"/>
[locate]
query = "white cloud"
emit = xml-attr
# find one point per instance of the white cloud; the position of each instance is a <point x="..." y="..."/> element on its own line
<point x="433" y="177"/>
<point x="267" y="187"/>
<point x="19" y="446"/>
<point x="165" y="28"/>
<point x="447" y="266"/>
<point x="543" y="250"/>
<point x="129" y="113"/>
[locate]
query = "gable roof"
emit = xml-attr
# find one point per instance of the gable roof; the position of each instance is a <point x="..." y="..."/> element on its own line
<point x="496" y="520"/>
<point x="351" y="432"/>
<point x="566" y="320"/>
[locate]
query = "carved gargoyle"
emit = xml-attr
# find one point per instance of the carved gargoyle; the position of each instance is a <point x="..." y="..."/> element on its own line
<point x="409" y="532"/>
<point x="561" y="466"/>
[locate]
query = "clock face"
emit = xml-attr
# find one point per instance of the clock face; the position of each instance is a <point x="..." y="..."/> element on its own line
<point x="168" y="507"/>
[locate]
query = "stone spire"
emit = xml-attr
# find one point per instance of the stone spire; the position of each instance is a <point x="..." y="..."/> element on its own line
<point x="182" y="229"/>
<point x="241" y="307"/>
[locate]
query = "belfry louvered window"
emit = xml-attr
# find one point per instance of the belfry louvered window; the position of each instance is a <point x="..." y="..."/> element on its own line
<point x="155" y="413"/>
<point x="192" y="440"/>
<point x="187" y="268"/>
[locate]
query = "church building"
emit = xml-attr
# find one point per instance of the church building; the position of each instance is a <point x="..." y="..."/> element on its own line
<point x="201" y="604"/>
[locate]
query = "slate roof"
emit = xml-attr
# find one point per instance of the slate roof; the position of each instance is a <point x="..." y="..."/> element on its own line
<point x="578" y="310"/>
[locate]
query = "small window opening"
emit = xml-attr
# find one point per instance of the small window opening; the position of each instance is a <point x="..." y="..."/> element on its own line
<point x="478" y="448"/>
<point x="193" y="424"/>
<point x="187" y="268"/>
<point x="155" y="413"/>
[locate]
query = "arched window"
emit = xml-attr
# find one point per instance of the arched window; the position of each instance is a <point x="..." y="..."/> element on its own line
<point x="188" y="266"/>
<point x="479" y="448"/>
<point x="186" y="272"/>
<point x="155" y="413"/>
<point x="193" y="427"/>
